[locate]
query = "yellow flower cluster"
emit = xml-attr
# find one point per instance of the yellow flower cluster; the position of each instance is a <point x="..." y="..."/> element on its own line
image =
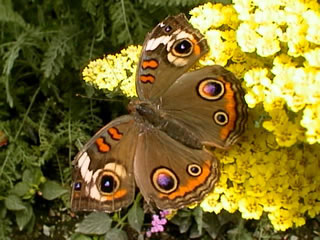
<point x="114" y="72"/>
<point x="274" y="46"/>
<point x="259" y="176"/>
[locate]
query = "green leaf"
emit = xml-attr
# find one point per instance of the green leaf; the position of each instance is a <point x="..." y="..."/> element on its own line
<point x="79" y="236"/>
<point x="183" y="223"/>
<point x="8" y="15"/>
<point x="170" y="3"/>
<point x="54" y="55"/>
<point x="32" y="176"/>
<point x="7" y="85"/>
<point x="194" y="232"/>
<point x="184" y="213"/>
<point x="234" y="234"/>
<point x="11" y="56"/>
<point x="227" y="218"/>
<point x="24" y="216"/>
<point x="31" y="223"/>
<point x="27" y="176"/>
<point x="14" y="203"/>
<point x="51" y="190"/>
<point x="198" y="214"/>
<point x="20" y="189"/>
<point x="3" y="210"/>
<point x="211" y="224"/>
<point x="116" y="233"/>
<point x="95" y="223"/>
<point x="90" y="6"/>
<point x="135" y="217"/>
<point x="240" y="232"/>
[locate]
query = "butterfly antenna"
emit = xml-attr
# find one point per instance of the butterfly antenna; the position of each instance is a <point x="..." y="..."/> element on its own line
<point x="98" y="99"/>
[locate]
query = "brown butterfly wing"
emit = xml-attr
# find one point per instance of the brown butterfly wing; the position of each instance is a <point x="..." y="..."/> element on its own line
<point x="210" y="103"/>
<point x="103" y="170"/>
<point x="170" y="174"/>
<point x="168" y="51"/>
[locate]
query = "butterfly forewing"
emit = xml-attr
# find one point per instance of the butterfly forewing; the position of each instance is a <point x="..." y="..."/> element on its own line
<point x="168" y="51"/>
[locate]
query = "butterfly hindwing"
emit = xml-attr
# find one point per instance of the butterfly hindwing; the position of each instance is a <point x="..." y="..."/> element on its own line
<point x="103" y="170"/>
<point x="170" y="174"/>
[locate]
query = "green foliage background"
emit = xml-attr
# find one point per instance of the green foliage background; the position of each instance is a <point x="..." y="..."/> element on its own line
<point x="44" y="44"/>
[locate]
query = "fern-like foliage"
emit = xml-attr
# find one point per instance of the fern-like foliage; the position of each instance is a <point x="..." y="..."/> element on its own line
<point x="127" y="24"/>
<point x="54" y="55"/>
<point x="7" y="14"/>
<point x="168" y="3"/>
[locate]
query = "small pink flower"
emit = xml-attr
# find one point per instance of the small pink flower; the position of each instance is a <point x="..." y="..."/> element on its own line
<point x="148" y="233"/>
<point x="157" y="223"/>
<point x="164" y="213"/>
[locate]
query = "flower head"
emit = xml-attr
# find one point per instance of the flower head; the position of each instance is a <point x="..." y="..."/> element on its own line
<point x="114" y="71"/>
<point x="158" y="223"/>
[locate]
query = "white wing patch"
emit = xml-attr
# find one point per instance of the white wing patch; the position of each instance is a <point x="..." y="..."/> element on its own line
<point x="94" y="192"/>
<point x="161" y="24"/>
<point x="82" y="159"/>
<point x="179" y="62"/>
<point x="177" y="36"/>
<point x="116" y="168"/>
<point x="83" y="163"/>
<point x="153" y="43"/>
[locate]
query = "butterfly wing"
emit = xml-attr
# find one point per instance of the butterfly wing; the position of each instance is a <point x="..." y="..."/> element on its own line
<point x="168" y="51"/>
<point x="210" y="103"/>
<point x="170" y="174"/>
<point x="103" y="170"/>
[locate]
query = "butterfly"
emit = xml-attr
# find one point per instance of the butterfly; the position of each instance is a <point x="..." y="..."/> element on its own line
<point x="161" y="147"/>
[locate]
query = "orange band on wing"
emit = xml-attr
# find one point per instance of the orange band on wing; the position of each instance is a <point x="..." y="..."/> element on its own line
<point x="192" y="183"/>
<point x="147" y="78"/>
<point x="118" y="194"/>
<point x="76" y="194"/>
<point x="115" y="133"/>
<point x="150" y="64"/>
<point x="196" y="47"/>
<point x="231" y="110"/>
<point x="103" y="147"/>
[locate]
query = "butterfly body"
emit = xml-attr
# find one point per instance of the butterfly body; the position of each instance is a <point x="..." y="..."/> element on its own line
<point x="160" y="147"/>
<point x="151" y="116"/>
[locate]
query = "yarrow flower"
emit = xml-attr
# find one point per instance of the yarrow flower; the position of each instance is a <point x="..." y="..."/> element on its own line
<point x="158" y="223"/>
<point x="274" y="47"/>
<point x="280" y="63"/>
<point x="114" y="71"/>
